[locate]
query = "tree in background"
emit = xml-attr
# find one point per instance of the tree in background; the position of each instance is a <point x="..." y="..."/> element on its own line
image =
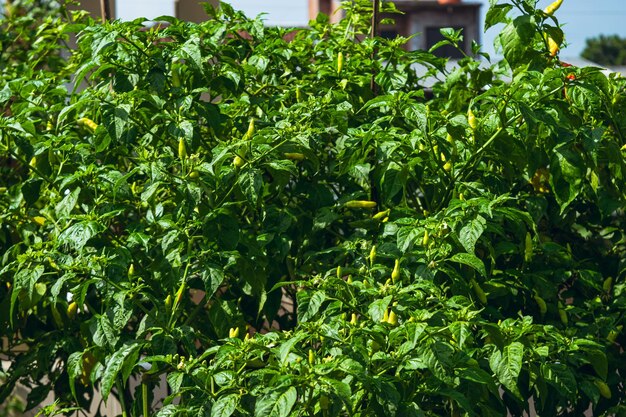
<point x="606" y="50"/>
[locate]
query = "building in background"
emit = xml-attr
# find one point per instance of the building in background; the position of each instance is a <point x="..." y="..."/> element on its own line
<point x="190" y="10"/>
<point x="424" y="18"/>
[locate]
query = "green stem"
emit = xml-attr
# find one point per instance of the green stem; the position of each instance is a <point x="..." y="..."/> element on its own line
<point x="144" y="397"/>
<point x="120" y="393"/>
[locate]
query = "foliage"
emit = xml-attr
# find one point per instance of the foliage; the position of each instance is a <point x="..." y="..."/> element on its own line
<point x="605" y="50"/>
<point x="199" y="207"/>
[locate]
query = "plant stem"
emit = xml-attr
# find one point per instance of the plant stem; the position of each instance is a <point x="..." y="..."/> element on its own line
<point x="144" y="396"/>
<point x="120" y="393"/>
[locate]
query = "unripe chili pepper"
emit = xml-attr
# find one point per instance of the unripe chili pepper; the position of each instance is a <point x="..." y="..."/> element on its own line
<point x="131" y="270"/>
<point x="194" y="175"/>
<point x="176" y="76"/>
<point x="607" y="284"/>
<point x="353" y="319"/>
<point x="294" y="156"/>
<point x="298" y="94"/>
<point x="238" y="161"/>
<point x="482" y="297"/>
<point x="553" y="7"/>
<point x="447" y="166"/>
<point x="339" y="272"/>
<point x="612" y="336"/>
<point x="385" y="316"/>
<point x="56" y="316"/>
<point x="179" y="294"/>
<point x="528" y="247"/>
<point x="324" y="402"/>
<point x="395" y="274"/>
<point x="393" y="318"/>
<point x="372" y="256"/>
<point x="182" y="148"/>
<point x="339" y="62"/>
<point x="426" y="238"/>
<point x="168" y="302"/>
<point x="604" y="389"/>
<point x="543" y="308"/>
<point x="381" y="215"/>
<point x="88" y="123"/>
<point x="471" y="119"/>
<point x="311" y="357"/>
<point x="360" y="204"/>
<point x="251" y="129"/>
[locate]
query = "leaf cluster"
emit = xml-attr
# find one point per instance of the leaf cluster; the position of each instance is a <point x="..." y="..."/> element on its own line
<point x="232" y="209"/>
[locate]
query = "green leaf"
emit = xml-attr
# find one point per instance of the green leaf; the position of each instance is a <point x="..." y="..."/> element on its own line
<point x="497" y="13"/>
<point x="74" y="368"/>
<point x="276" y="404"/>
<point x="566" y="175"/>
<point x="307" y="308"/>
<point x="65" y="206"/>
<point x="225" y="406"/>
<point x="471" y="232"/>
<point x="212" y="277"/>
<point x="250" y="182"/>
<point x="517" y="40"/>
<point x="113" y="366"/>
<point x="175" y="380"/>
<point x="560" y="377"/>
<point x="470" y="260"/>
<point x="377" y="309"/>
<point x="507" y="364"/>
<point x="77" y="235"/>
<point x="24" y="284"/>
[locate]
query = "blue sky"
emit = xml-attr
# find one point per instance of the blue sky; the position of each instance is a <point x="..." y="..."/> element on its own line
<point x="581" y="18"/>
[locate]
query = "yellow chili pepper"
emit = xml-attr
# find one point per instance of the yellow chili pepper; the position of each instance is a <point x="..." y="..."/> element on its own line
<point x="88" y="123"/>
<point x="360" y="204"/>
<point x="72" y="309"/>
<point x="251" y="129"/>
<point x="372" y="256"/>
<point x="238" y="161"/>
<point x="395" y="274"/>
<point x="182" y="148"/>
<point x="553" y="47"/>
<point x="339" y="62"/>
<point x="553" y="7"/>
<point x="471" y="119"/>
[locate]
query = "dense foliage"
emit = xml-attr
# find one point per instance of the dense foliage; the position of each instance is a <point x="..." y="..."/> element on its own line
<point x="232" y="207"/>
<point x="605" y="50"/>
